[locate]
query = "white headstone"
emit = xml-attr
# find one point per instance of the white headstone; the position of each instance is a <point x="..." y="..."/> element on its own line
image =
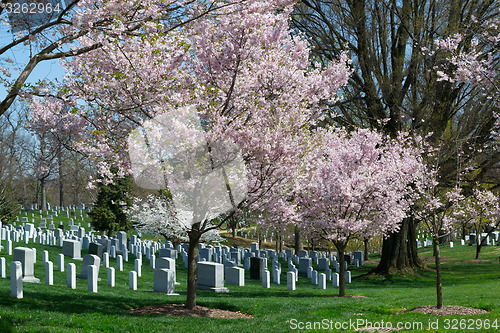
<point x="3" y="268"/>
<point x="111" y="276"/>
<point x="72" y="248"/>
<point x="26" y="257"/>
<point x="152" y="259"/>
<point x="164" y="281"/>
<point x="335" y="279"/>
<point x="132" y="280"/>
<point x="92" y="273"/>
<point x="304" y="265"/>
<point x="266" y="279"/>
<point x="290" y="280"/>
<point x="314" y="277"/>
<point x="119" y="263"/>
<point x="167" y="263"/>
<point x="322" y="281"/>
<point x="328" y="274"/>
<point x="16" y="279"/>
<point x="71" y="276"/>
<point x="210" y="276"/>
<point x="347" y="277"/>
<point x="45" y="257"/>
<point x="60" y="262"/>
<point x="105" y="259"/>
<point x="276" y="276"/>
<point x="309" y="271"/>
<point x="138" y="267"/>
<point x="49" y="273"/>
<point x="235" y="276"/>
<point x="89" y="260"/>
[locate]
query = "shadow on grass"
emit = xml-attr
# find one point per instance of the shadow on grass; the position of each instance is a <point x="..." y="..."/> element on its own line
<point x="81" y="303"/>
<point x="6" y="324"/>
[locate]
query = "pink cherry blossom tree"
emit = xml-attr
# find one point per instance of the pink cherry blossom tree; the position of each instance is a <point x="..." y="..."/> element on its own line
<point x="435" y="210"/>
<point x="357" y="185"/>
<point x="53" y="135"/>
<point x="479" y="211"/>
<point x="474" y="60"/>
<point x="247" y="76"/>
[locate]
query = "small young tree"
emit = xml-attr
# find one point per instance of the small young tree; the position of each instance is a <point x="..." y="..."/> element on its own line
<point x="479" y="211"/>
<point x="435" y="209"/>
<point x="358" y="187"/>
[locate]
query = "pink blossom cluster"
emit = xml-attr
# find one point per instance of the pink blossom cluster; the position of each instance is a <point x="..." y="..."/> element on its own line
<point x="474" y="63"/>
<point x="248" y="76"/>
<point x="479" y="210"/>
<point x="357" y="184"/>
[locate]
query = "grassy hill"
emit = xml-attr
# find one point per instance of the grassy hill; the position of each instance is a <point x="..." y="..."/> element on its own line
<point x="59" y="309"/>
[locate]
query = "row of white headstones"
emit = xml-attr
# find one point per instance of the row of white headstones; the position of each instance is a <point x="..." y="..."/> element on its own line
<point x="164" y="278"/>
<point x="22" y="270"/>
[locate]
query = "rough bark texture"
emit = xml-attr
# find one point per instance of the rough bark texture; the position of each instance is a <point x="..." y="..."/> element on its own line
<point x="194" y="240"/>
<point x="479" y="245"/>
<point x="399" y="251"/>
<point x="341" y="271"/>
<point x="43" y="195"/>
<point x="299" y="245"/>
<point x="439" y="284"/>
<point x="366" y="241"/>
<point x="61" y="180"/>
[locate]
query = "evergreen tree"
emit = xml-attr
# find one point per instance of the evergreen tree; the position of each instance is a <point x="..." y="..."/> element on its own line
<point x="108" y="214"/>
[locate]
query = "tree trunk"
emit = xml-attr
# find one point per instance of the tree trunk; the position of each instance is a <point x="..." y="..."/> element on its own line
<point x="439" y="285"/>
<point x="43" y="197"/>
<point x="484" y="241"/>
<point x="232" y="224"/>
<point x="399" y="250"/>
<point x="61" y="187"/>
<point x="194" y="240"/>
<point x="37" y="197"/>
<point x="366" y="241"/>
<point x="341" y="250"/>
<point x="61" y="193"/>
<point x="299" y="245"/>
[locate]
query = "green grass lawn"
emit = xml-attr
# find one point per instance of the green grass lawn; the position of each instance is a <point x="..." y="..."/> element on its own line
<point x="59" y="309"/>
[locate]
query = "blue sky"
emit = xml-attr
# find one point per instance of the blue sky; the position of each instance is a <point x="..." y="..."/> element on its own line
<point x="49" y="70"/>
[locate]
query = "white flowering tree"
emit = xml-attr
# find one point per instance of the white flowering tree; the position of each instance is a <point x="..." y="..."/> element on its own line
<point x="157" y="216"/>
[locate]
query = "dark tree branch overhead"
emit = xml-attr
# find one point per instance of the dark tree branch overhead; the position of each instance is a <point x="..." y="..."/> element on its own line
<point x="48" y="52"/>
